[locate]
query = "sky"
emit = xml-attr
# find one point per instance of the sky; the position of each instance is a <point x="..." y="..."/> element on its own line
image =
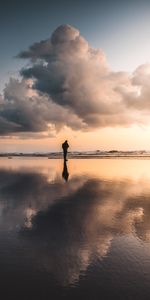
<point x="76" y="70"/>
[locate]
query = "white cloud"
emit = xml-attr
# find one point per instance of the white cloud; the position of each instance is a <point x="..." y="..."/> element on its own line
<point x="73" y="86"/>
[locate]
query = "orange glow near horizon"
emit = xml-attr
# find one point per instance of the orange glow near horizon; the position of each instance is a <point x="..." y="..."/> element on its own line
<point x="109" y="169"/>
<point x="133" y="138"/>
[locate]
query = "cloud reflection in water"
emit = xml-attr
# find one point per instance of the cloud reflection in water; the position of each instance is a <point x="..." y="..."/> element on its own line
<point x="66" y="227"/>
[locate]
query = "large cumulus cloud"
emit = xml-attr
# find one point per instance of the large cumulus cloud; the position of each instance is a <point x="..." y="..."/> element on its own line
<point x="72" y="85"/>
<point x="76" y="76"/>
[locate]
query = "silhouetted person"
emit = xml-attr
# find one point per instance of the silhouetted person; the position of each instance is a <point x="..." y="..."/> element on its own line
<point x="65" y="147"/>
<point x="65" y="173"/>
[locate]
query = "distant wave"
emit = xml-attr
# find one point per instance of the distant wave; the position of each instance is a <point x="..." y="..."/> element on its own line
<point x="83" y="154"/>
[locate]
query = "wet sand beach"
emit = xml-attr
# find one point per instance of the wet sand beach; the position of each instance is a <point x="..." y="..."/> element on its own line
<point x="79" y="230"/>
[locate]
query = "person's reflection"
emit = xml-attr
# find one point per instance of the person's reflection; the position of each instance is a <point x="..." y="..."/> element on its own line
<point x="65" y="173"/>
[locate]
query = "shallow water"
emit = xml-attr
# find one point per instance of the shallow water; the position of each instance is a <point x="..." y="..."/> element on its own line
<point x="75" y="231"/>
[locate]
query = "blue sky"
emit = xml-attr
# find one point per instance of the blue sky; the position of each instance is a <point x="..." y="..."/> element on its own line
<point x="120" y="28"/>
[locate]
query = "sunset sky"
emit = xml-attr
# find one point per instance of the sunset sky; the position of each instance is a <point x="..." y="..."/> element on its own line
<point x="74" y="70"/>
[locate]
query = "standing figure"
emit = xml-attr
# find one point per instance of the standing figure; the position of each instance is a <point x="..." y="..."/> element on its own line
<point x="65" y="147"/>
